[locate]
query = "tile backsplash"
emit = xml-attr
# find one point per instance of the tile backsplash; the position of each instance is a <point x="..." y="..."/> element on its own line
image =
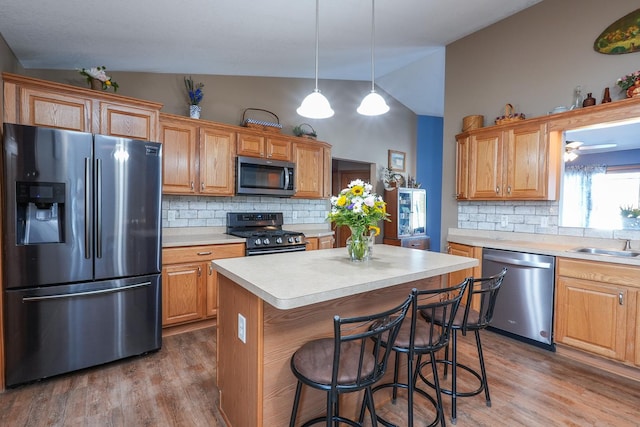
<point x="538" y="217"/>
<point x="200" y="211"/>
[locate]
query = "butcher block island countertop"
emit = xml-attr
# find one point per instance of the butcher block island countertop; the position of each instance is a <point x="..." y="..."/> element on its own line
<point x="289" y="299"/>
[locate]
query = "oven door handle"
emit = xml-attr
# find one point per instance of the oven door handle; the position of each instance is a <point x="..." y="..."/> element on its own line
<point x="277" y="251"/>
<point x="83" y="294"/>
<point x="519" y="262"/>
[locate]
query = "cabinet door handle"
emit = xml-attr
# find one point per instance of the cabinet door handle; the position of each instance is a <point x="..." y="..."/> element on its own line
<point x="204" y="253"/>
<point x="192" y="185"/>
<point x="199" y="271"/>
<point x="509" y="190"/>
<point x="620" y="299"/>
<point x="497" y="190"/>
<point x="210" y="269"/>
<point x="202" y="185"/>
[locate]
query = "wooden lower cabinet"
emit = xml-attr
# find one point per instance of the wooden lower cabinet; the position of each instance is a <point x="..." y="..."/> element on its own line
<point x="597" y="308"/>
<point x="315" y="243"/>
<point x="189" y="285"/>
<point x="467" y="251"/>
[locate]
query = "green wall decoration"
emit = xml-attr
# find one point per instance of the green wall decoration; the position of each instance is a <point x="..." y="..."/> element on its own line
<point x="623" y="36"/>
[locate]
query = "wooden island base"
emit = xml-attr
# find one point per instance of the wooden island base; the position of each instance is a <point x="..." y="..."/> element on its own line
<point x="255" y="381"/>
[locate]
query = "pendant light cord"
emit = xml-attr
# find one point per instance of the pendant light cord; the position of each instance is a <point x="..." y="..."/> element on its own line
<point x="373" y="32"/>
<point x="317" y="38"/>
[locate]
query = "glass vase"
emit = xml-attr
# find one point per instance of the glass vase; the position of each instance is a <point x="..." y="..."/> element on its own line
<point x="359" y="245"/>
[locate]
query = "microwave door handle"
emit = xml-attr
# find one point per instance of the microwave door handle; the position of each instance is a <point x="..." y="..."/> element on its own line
<point x="286" y="178"/>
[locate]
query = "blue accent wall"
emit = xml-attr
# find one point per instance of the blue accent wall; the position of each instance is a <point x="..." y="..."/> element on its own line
<point x="429" y="172"/>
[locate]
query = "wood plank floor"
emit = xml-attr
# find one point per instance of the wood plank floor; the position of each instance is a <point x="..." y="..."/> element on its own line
<point x="176" y="387"/>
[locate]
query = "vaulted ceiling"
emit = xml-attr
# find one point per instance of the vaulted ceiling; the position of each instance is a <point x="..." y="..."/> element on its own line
<point x="270" y="38"/>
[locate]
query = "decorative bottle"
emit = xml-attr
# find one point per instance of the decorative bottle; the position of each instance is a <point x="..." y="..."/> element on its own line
<point x="607" y="97"/>
<point x="589" y="101"/>
<point x="577" y="103"/>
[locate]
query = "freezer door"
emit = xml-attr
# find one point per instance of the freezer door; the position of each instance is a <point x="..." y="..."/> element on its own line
<point x="128" y="182"/>
<point x="46" y="202"/>
<point x="60" y="329"/>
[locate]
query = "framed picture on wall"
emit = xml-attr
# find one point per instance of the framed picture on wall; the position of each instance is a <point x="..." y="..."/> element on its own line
<point x="397" y="160"/>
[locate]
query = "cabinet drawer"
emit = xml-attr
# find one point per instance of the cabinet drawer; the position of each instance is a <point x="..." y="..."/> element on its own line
<point x="599" y="271"/>
<point x="421" y="243"/>
<point x="201" y="253"/>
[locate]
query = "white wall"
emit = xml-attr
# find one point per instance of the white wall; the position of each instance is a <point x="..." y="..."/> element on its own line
<point x="533" y="60"/>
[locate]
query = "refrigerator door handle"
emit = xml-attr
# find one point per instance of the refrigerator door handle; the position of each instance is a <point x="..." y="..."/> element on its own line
<point x="82" y="294"/>
<point x="98" y="208"/>
<point x="87" y="207"/>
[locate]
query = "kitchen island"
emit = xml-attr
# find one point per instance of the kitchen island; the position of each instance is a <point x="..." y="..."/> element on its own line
<point x="289" y="299"/>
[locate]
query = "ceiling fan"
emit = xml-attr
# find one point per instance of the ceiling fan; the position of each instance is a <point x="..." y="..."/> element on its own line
<point x="572" y="149"/>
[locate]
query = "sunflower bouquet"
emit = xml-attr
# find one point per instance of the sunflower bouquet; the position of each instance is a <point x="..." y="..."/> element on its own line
<point x="359" y="208"/>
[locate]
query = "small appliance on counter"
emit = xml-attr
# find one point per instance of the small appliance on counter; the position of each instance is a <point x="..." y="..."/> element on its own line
<point x="81" y="250"/>
<point x="263" y="232"/>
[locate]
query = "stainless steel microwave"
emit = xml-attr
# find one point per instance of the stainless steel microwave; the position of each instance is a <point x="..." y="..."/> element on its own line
<point x="265" y="177"/>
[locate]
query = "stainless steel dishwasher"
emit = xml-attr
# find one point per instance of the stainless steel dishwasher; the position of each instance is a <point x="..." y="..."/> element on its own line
<point x="524" y="308"/>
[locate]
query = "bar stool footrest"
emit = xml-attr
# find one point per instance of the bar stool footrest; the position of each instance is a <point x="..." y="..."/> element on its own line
<point x="415" y="389"/>
<point x="449" y="392"/>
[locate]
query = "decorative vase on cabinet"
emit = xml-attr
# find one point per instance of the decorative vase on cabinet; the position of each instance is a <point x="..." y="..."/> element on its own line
<point x="194" y="111"/>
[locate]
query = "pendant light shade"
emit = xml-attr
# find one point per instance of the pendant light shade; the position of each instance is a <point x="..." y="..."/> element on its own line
<point x="315" y="105"/>
<point x="373" y="104"/>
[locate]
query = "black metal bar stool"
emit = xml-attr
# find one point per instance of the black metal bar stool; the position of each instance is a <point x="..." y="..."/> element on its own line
<point x="418" y="337"/>
<point x="477" y="315"/>
<point x="353" y="360"/>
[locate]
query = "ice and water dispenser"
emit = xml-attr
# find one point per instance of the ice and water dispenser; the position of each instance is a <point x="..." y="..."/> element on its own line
<point x="39" y="212"/>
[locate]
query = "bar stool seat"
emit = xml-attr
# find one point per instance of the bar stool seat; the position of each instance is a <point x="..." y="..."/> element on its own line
<point x="351" y="361"/>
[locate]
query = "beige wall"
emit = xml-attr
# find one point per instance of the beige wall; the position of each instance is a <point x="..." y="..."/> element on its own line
<point x="352" y="136"/>
<point x="533" y="60"/>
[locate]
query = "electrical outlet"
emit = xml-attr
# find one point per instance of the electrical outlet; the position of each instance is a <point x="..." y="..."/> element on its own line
<point x="504" y="221"/>
<point x="242" y="328"/>
<point x="544" y="222"/>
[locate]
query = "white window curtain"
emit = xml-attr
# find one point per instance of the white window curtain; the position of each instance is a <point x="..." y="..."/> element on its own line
<point x="577" y="204"/>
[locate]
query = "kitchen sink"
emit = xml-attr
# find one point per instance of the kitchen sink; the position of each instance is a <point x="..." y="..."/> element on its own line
<point x="609" y="252"/>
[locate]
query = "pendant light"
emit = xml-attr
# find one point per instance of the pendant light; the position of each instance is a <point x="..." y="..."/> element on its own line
<point x="315" y="105"/>
<point x="373" y="104"/>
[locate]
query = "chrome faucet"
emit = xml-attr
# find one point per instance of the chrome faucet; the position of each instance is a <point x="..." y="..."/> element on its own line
<point x="627" y="245"/>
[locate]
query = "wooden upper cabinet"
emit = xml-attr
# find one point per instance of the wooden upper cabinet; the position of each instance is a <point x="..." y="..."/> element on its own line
<point x="485" y="165"/>
<point x="310" y="161"/>
<point x="462" y="168"/>
<point x="527" y="161"/>
<point x="38" y="102"/>
<point x="217" y="154"/>
<point x="260" y="145"/>
<point x="127" y="121"/>
<point x="197" y="159"/>
<point x="55" y="110"/>
<point x="179" y="156"/>
<point x="516" y="162"/>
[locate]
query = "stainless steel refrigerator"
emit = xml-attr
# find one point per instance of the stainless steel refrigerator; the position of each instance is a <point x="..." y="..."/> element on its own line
<point x="81" y="250"/>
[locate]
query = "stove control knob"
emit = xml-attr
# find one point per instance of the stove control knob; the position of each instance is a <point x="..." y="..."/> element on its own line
<point x="266" y="241"/>
<point x="290" y="239"/>
<point x="298" y="239"/>
<point x="278" y="240"/>
<point x="258" y="242"/>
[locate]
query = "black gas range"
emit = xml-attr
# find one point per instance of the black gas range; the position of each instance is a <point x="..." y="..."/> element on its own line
<point x="264" y="233"/>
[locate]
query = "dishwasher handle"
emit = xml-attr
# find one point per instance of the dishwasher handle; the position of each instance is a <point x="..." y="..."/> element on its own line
<point x="512" y="261"/>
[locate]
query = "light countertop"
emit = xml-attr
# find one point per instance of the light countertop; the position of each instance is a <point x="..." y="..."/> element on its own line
<point x="298" y="279"/>
<point x="559" y="246"/>
<point x="196" y="236"/>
